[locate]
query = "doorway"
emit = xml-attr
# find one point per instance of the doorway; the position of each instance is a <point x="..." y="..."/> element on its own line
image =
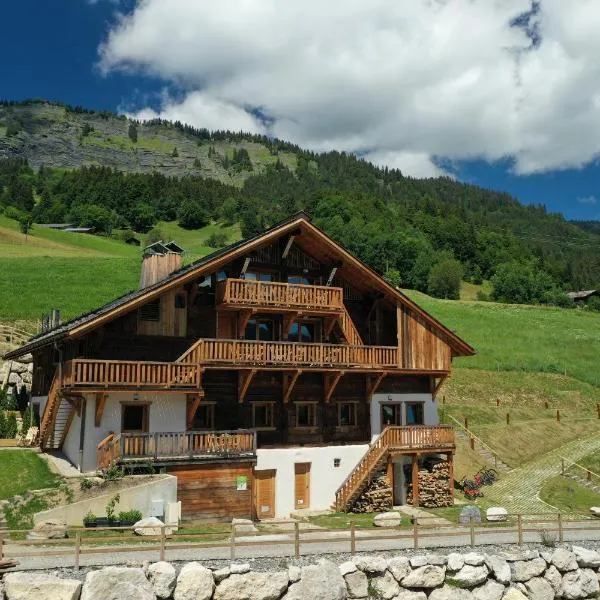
<point x="264" y="493"/>
<point x="302" y="485"/>
<point x="391" y="414"/>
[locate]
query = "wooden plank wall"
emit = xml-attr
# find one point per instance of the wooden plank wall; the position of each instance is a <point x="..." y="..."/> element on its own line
<point x="173" y="321"/>
<point x="208" y="492"/>
<point x="421" y="347"/>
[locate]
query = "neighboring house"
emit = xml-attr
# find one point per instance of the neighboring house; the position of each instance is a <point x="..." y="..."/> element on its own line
<point x="261" y="375"/>
<point x="582" y="296"/>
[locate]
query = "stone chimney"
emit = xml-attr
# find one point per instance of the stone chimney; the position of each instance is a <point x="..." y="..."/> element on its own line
<point x="159" y="261"/>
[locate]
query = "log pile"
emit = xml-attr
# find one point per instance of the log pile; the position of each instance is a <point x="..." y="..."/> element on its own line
<point x="377" y="496"/>
<point x="434" y="487"/>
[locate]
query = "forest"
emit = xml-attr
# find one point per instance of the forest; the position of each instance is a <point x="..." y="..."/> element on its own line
<point x="424" y="234"/>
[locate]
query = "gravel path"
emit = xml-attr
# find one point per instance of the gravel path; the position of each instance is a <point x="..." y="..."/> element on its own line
<point x="518" y="490"/>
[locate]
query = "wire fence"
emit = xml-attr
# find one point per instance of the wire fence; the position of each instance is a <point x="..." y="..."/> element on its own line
<point x="111" y="545"/>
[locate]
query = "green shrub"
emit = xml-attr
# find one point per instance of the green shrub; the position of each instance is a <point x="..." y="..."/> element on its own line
<point x="217" y="239"/>
<point x="11" y="427"/>
<point x="130" y="515"/>
<point x="89" y="518"/>
<point x="2" y="425"/>
<point x="558" y="298"/>
<point x="110" y="508"/>
<point x="113" y="473"/>
<point x="86" y="484"/>
<point x="12" y="212"/>
<point x="482" y="296"/>
<point x="444" y="279"/>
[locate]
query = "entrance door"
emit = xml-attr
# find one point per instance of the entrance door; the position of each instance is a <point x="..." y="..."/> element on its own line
<point x="302" y="484"/>
<point x="391" y="414"/>
<point x="264" y="494"/>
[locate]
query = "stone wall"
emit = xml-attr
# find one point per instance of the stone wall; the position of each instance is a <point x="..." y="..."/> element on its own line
<point x="561" y="573"/>
<point x="14" y="375"/>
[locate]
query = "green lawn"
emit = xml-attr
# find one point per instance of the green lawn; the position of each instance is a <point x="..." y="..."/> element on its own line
<point x="344" y="520"/>
<point x="23" y="470"/>
<point x="569" y="496"/>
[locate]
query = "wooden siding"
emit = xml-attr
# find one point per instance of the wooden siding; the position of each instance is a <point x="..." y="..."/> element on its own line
<point x="172" y="321"/>
<point x="421" y="347"/>
<point x="209" y="492"/>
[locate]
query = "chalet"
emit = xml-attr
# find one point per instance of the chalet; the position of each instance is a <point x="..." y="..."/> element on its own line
<point x="276" y="374"/>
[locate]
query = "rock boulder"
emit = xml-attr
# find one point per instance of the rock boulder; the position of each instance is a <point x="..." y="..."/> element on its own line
<point x="387" y="519"/>
<point x="163" y="577"/>
<point x="253" y="586"/>
<point x="318" y="582"/>
<point x="117" y="583"/>
<point x="35" y="586"/>
<point x="150" y="526"/>
<point x="194" y="582"/>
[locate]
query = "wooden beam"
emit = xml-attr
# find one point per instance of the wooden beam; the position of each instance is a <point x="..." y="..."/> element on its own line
<point x="289" y="381"/>
<point x="436" y="384"/>
<point x="390" y="475"/>
<point x="288" y="247"/>
<point x="450" y="459"/>
<point x="331" y="381"/>
<point x="245" y="266"/>
<point x="243" y="318"/>
<point x="415" y="480"/>
<point x="244" y="380"/>
<point x="288" y="321"/>
<point x="100" y="404"/>
<point x="328" y="325"/>
<point x="193" y="402"/>
<point x="192" y="293"/>
<point x="373" y="382"/>
<point x="331" y="276"/>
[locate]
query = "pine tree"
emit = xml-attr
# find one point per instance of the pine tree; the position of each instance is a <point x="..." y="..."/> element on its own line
<point x="133" y="132"/>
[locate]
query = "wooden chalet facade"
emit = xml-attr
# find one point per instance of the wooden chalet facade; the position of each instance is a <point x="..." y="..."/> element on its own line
<point x="276" y="374"/>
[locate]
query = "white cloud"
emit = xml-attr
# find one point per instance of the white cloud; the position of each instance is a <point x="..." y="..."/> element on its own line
<point x="399" y="81"/>
<point x="416" y="164"/>
<point x="587" y="200"/>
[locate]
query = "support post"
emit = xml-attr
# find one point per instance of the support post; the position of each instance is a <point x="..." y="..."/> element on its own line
<point x="297" y="539"/>
<point x="352" y="538"/>
<point x="450" y="458"/>
<point x="561" y="535"/>
<point x="519" y="530"/>
<point x="232" y="544"/>
<point x="472" y="531"/>
<point x="415" y="480"/>
<point x="415" y="533"/>
<point x="390" y="474"/>
<point x="77" y="549"/>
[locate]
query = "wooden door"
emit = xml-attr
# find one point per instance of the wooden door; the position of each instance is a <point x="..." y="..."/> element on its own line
<point x="302" y="484"/>
<point x="264" y="494"/>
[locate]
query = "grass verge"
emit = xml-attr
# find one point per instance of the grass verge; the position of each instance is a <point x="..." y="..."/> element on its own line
<point x="22" y="471"/>
<point x="569" y="496"/>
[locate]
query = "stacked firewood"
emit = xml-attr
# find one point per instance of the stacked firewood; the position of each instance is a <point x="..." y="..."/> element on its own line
<point x="434" y="487"/>
<point x="377" y="496"/>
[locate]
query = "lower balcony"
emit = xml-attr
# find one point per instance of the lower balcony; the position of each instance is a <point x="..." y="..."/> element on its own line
<point x="172" y="447"/>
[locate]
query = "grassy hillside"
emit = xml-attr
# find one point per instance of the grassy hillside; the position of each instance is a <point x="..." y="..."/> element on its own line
<point x="511" y="337"/>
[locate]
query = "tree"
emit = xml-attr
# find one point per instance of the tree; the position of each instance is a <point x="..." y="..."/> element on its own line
<point x="11" y="426"/>
<point x="217" y="239"/>
<point x="154" y="235"/>
<point x="175" y="153"/>
<point x="518" y="283"/>
<point x="19" y="193"/>
<point x="86" y="129"/>
<point x="192" y="215"/>
<point x="142" y="217"/>
<point x="444" y="279"/>
<point x="229" y="211"/>
<point x="133" y="132"/>
<point x="99" y="218"/>
<point x="392" y="276"/>
<point x="25" y="224"/>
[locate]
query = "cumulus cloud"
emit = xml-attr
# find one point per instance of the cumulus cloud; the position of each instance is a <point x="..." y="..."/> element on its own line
<point x="587" y="200"/>
<point x="398" y="81"/>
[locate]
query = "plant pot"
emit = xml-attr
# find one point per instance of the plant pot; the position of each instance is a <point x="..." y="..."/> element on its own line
<point x="128" y="522"/>
<point x="90" y="524"/>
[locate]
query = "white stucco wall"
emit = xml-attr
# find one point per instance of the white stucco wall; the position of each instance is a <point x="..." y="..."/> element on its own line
<point x="325" y="479"/>
<point x="167" y="412"/>
<point x="430" y="413"/>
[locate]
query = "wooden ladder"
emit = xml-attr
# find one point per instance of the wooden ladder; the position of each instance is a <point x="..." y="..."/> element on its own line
<point x="363" y="473"/>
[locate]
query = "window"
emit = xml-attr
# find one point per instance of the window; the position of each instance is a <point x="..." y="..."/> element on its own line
<point x="204" y="417"/>
<point x="263" y="414"/>
<point x="414" y="414"/>
<point x="256" y="276"/>
<point x="391" y="414"/>
<point x="260" y="329"/>
<point x="347" y="414"/>
<point x="300" y="280"/>
<point x="180" y="301"/>
<point x="134" y="417"/>
<point x="337" y="462"/>
<point x="303" y="331"/>
<point x="150" y="311"/>
<point x="306" y="414"/>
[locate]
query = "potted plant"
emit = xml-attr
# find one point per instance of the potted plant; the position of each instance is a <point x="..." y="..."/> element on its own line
<point x="90" y="520"/>
<point x="128" y="518"/>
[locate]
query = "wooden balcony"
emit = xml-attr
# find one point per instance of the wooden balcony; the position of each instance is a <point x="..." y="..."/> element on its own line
<point x="245" y="353"/>
<point x="268" y="295"/>
<point x="127" y="448"/>
<point x="86" y="374"/>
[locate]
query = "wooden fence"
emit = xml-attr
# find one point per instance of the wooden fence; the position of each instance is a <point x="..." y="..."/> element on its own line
<point x="222" y="541"/>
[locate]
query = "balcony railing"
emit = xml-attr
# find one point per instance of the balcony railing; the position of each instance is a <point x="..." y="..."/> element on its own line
<point x="243" y="292"/>
<point x="257" y="353"/>
<point x="173" y="446"/>
<point x="91" y="373"/>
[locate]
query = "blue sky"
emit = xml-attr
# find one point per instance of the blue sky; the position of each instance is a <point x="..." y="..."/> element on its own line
<point x="192" y="60"/>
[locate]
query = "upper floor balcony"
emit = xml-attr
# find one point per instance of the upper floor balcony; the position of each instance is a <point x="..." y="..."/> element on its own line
<point x="251" y="294"/>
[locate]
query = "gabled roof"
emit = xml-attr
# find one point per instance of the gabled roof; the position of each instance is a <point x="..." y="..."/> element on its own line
<point x="211" y="262"/>
<point x="582" y="295"/>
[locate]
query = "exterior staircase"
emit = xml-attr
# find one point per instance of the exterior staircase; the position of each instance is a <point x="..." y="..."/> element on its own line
<point x="349" y="330"/>
<point x="61" y="425"/>
<point x="436" y="438"/>
<point x="49" y="418"/>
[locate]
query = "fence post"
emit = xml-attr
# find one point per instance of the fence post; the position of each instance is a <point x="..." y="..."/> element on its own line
<point x="598" y="409"/>
<point x="588" y="474"/>
<point x="77" y="549"/>
<point x="560" y="528"/>
<point x="472" y="442"/>
<point x="472" y="531"/>
<point x="297" y="539"/>
<point x="558" y="415"/>
<point x="519" y="530"/>
<point x="1" y="544"/>
<point x="546" y="405"/>
<point x="232" y="544"/>
<point x="352" y="538"/>
<point x="497" y="401"/>
<point x="466" y="422"/>
<point x="162" y="542"/>
<point x="508" y="418"/>
<point x="562" y="467"/>
<point x="415" y="532"/>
